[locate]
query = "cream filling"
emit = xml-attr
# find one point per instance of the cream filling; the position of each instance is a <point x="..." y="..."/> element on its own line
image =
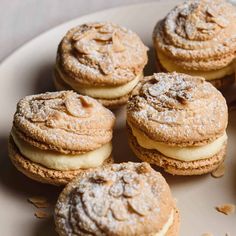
<point x="58" y="161"/>
<point x="169" y="65"/>
<point x="190" y="153"/>
<point x="167" y="225"/>
<point x="106" y="92"/>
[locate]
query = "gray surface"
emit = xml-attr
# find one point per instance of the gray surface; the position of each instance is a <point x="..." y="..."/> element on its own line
<point x="22" y="20"/>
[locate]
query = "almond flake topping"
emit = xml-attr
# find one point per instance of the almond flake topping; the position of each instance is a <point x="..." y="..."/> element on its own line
<point x="126" y="200"/>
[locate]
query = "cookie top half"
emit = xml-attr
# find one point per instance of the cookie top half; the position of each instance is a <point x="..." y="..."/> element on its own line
<point x="120" y="199"/>
<point x="103" y="54"/>
<point x="198" y="35"/>
<point x="178" y="109"/>
<point x="63" y="121"/>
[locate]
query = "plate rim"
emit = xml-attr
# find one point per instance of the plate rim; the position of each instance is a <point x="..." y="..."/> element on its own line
<point x="25" y="44"/>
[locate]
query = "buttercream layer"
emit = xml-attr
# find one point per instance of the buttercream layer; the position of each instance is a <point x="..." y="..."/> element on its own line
<point x="191" y="153"/>
<point x="103" y="92"/>
<point x="171" y="66"/>
<point x="58" y="161"/>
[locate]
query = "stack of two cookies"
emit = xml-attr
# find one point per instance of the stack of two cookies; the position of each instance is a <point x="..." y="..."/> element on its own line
<point x="60" y="138"/>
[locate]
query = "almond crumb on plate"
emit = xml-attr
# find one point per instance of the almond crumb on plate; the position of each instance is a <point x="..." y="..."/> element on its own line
<point x="219" y="172"/>
<point x="39" y="201"/>
<point x="41" y="214"/>
<point x="207" y="234"/>
<point x="226" y="209"/>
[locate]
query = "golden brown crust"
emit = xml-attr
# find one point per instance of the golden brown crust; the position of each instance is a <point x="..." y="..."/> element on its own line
<point x="40" y="173"/>
<point x="111" y="201"/>
<point x="174" y="229"/>
<point x="103" y="54"/>
<point x="178" y="109"/>
<point x="198" y="35"/>
<point x="64" y="122"/>
<point x="109" y="103"/>
<point x="176" y="167"/>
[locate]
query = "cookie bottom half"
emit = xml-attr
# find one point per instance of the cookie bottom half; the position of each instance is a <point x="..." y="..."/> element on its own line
<point x="40" y="173"/>
<point x="173" y="166"/>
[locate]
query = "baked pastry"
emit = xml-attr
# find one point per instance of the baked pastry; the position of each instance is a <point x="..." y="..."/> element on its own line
<point x="198" y="38"/>
<point x="178" y="122"/>
<point x="119" y="199"/>
<point x="101" y="60"/>
<point x="57" y="135"/>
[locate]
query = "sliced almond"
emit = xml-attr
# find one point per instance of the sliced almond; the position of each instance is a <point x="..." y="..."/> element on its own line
<point x="227" y="209"/>
<point x="119" y="211"/>
<point x="106" y="65"/>
<point x="190" y="30"/>
<point x="100" y="208"/>
<point x="39" y="201"/>
<point x="221" y="21"/>
<point x="219" y="172"/>
<point x="139" y="206"/>
<point x="41" y="214"/>
<point x="76" y="107"/>
<point x="117" y="45"/>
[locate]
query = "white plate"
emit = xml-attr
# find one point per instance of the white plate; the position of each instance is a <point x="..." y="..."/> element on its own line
<point x="29" y="71"/>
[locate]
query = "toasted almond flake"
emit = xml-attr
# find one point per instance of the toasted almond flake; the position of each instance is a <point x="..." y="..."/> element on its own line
<point x="119" y="211"/>
<point x="226" y="209"/>
<point x="41" y="214"/>
<point x="39" y="202"/>
<point x="37" y="199"/>
<point x="219" y="172"/>
<point x="41" y="205"/>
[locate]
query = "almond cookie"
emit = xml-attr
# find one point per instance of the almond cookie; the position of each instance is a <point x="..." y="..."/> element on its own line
<point x="101" y="60"/>
<point x="57" y="135"/>
<point x="198" y="38"/>
<point x="178" y="122"/>
<point x="119" y="199"/>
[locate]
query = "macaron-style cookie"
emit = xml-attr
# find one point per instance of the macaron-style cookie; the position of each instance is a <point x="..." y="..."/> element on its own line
<point x="57" y="135"/>
<point x="198" y="38"/>
<point x="178" y="122"/>
<point x="118" y="199"/>
<point x="101" y="60"/>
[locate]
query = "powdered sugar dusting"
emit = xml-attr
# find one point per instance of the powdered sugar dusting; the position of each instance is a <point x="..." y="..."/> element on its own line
<point x="178" y="108"/>
<point x="194" y="34"/>
<point x="105" y="208"/>
<point x="64" y="120"/>
<point x="103" y="49"/>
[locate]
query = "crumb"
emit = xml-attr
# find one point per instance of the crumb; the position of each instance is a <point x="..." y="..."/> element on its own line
<point x="39" y="202"/>
<point x="207" y="234"/>
<point x="41" y="214"/>
<point x="219" y="172"/>
<point x="226" y="209"/>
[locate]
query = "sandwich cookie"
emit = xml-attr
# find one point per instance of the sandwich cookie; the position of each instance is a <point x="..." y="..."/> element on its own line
<point x="57" y="135"/>
<point x="118" y="199"/>
<point x="178" y="122"/>
<point x="198" y="38"/>
<point x="101" y="60"/>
